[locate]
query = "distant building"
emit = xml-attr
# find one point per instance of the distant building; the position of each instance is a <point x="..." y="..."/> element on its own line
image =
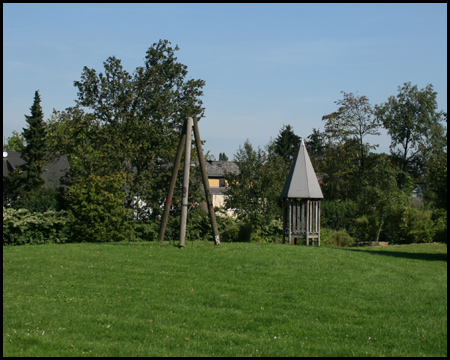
<point x="216" y="178"/>
<point x="56" y="169"/>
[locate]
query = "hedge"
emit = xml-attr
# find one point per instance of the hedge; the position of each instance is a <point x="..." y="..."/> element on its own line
<point x="20" y="226"/>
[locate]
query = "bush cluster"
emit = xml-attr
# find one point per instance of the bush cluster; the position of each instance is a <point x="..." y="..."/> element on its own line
<point x="96" y="210"/>
<point x="20" y="226"/>
<point x="198" y="227"/>
<point x="415" y="225"/>
<point x="40" y="200"/>
<point x="335" y="238"/>
<point x="337" y="215"/>
<point x="401" y="223"/>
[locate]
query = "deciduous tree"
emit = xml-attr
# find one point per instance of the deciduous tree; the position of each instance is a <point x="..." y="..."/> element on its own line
<point x="254" y="193"/>
<point x="353" y="121"/>
<point x="131" y="122"/>
<point x="15" y="142"/>
<point x="411" y="118"/>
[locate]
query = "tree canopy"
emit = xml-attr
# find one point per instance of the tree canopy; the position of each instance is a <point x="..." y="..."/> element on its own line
<point x="412" y="121"/>
<point x="130" y="123"/>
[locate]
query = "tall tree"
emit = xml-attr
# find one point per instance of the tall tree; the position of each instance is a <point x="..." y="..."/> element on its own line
<point x="287" y="143"/>
<point x="35" y="150"/>
<point x="131" y="122"/>
<point x="436" y="167"/>
<point x="411" y="118"/>
<point x="316" y="148"/>
<point x="353" y="121"/>
<point x="376" y="198"/>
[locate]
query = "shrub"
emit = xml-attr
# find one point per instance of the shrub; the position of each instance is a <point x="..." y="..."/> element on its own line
<point x="40" y="200"/>
<point x="270" y="232"/>
<point x="335" y="238"/>
<point x="145" y="230"/>
<point x="440" y="225"/>
<point x="20" y="226"/>
<point x="408" y="225"/>
<point x="228" y="228"/>
<point x="341" y="238"/>
<point x="198" y="226"/>
<point x="325" y="237"/>
<point x="368" y="228"/>
<point x="338" y="215"/>
<point x="96" y="209"/>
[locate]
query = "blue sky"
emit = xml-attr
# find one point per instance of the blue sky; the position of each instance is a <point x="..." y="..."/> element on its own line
<point x="265" y="65"/>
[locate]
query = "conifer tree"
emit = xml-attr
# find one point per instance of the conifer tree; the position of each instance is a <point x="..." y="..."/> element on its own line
<point x="34" y="151"/>
<point x="287" y="143"/>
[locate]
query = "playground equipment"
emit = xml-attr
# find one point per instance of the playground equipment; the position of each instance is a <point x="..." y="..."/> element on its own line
<point x="185" y="141"/>
<point x="301" y="196"/>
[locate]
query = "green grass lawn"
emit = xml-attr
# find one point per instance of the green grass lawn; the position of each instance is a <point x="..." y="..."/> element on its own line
<point x="147" y="299"/>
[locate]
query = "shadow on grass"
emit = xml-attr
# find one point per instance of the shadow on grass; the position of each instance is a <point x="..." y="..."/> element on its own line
<point x="172" y="243"/>
<point x="406" y="255"/>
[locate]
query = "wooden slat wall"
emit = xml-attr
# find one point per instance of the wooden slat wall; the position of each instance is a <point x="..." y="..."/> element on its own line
<point x="301" y="218"/>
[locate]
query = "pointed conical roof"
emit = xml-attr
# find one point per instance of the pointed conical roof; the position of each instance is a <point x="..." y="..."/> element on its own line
<point x="302" y="181"/>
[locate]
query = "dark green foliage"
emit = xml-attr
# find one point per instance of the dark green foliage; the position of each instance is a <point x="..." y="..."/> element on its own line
<point x="337" y="215"/>
<point x="28" y="176"/>
<point x="316" y="147"/>
<point x="96" y="210"/>
<point x="353" y="121"/>
<point x="198" y="225"/>
<point x="341" y="180"/>
<point x="439" y="218"/>
<point x="254" y="193"/>
<point x="436" y="165"/>
<point x="133" y="121"/>
<point x="35" y="150"/>
<point x="24" y="227"/>
<point x="40" y="200"/>
<point x="377" y="197"/>
<point x="228" y="228"/>
<point x="286" y="144"/>
<point x="223" y="157"/>
<point x="145" y="230"/>
<point x="130" y="123"/>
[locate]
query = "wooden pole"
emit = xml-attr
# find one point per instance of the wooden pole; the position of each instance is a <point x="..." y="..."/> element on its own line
<point x="318" y="222"/>
<point x="284" y="218"/>
<point x="290" y="222"/>
<point x="201" y="159"/>
<point x="187" y="166"/>
<point x="176" y="166"/>
<point x="307" y="222"/>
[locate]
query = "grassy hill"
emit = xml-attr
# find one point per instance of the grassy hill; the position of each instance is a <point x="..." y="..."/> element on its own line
<point x="147" y="299"/>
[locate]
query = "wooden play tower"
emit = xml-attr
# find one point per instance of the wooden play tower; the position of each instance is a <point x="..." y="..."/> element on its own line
<point x="301" y="201"/>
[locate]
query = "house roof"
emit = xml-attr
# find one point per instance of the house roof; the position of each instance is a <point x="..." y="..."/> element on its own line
<point x="11" y="161"/>
<point x="220" y="168"/>
<point x="302" y="181"/>
<point x="54" y="170"/>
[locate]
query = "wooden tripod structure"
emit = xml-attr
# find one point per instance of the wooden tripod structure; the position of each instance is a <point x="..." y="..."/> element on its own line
<point x="185" y="141"/>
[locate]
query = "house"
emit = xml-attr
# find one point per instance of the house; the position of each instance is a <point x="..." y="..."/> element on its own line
<point x="216" y="178"/>
<point x="56" y="169"/>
